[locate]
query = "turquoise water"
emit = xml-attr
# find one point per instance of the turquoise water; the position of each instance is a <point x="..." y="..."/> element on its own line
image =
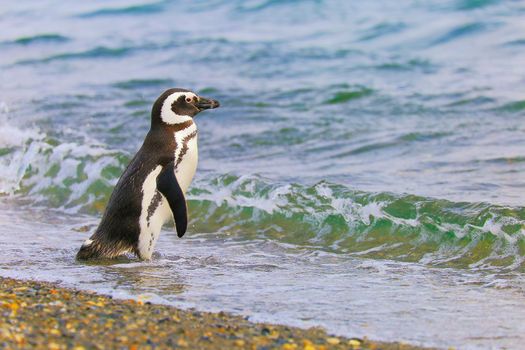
<point x="375" y="149"/>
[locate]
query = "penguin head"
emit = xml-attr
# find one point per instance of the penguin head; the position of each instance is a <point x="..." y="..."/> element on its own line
<point x="177" y="106"/>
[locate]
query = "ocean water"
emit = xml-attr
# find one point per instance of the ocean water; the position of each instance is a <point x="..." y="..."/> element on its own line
<point x="365" y="171"/>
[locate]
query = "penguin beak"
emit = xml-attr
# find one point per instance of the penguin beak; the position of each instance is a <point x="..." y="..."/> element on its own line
<point x="206" y="103"/>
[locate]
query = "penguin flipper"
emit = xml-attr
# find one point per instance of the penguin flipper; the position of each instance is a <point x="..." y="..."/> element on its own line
<point x="168" y="185"/>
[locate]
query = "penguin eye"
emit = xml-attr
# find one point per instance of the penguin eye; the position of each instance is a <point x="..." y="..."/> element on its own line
<point x="188" y="99"/>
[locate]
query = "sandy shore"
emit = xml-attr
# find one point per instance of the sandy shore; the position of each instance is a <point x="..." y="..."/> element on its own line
<point x="36" y="315"/>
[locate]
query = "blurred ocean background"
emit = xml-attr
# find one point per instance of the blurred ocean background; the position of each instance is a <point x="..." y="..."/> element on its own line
<point x="365" y="172"/>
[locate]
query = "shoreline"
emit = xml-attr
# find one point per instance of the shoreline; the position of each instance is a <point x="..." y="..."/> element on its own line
<point x="37" y="313"/>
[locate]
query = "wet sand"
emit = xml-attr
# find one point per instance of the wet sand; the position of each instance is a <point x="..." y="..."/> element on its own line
<point x="37" y="314"/>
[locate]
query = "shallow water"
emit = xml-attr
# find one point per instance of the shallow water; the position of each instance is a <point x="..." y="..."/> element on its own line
<point x="364" y="173"/>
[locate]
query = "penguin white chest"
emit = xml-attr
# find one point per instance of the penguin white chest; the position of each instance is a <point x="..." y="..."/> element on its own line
<point x="155" y="211"/>
<point x="186" y="156"/>
<point x="185" y="171"/>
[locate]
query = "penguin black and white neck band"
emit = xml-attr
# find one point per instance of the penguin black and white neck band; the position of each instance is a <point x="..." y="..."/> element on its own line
<point x="151" y="190"/>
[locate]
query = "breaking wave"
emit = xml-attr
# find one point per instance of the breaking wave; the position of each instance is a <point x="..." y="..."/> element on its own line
<point x="375" y="225"/>
<point x="73" y="176"/>
<point x="77" y="177"/>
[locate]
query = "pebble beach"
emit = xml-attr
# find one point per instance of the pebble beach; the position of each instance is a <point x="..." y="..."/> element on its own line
<point x="37" y="314"/>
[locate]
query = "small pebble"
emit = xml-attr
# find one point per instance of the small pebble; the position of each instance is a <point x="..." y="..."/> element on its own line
<point x="333" y="341"/>
<point x="183" y="343"/>
<point x="289" y="346"/>
<point x="354" y="343"/>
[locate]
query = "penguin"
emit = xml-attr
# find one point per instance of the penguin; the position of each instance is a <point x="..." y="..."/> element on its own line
<point x="151" y="191"/>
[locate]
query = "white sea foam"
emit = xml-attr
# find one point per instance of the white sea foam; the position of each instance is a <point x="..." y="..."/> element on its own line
<point x="32" y="162"/>
<point x="4" y="108"/>
<point x="16" y="147"/>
